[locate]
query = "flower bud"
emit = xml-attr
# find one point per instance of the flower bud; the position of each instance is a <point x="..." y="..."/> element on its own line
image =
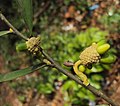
<point x="103" y="48"/>
<point x="11" y="30"/>
<point x="82" y="68"/>
<point x="33" y="44"/>
<point x="21" y="47"/>
<point x="109" y="59"/>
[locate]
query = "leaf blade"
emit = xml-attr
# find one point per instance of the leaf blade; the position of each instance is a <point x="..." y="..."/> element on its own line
<point x="4" y="33"/>
<point x="19" y="73"/>
<point x="27" y="12"/>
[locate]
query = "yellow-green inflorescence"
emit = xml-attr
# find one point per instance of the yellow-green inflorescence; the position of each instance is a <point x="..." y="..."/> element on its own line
<point x="90" y="55"/>
<point x="33" y="44"/>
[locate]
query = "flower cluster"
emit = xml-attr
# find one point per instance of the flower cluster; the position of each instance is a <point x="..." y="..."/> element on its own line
<point x="33" y="44"/>
<point x="90" y="55"/>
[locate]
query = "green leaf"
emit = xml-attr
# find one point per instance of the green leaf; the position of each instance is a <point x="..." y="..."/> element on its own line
<point x="96" y="77"/>
<point x="18" y="73"/>
<point x="45" y="88"/>
<point x="27" y="12"/>
<point x="4" y="33"/>
<point x="69" y="84"/>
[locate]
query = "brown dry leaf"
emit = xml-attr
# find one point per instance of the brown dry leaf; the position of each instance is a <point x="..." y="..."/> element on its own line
<point x="71" y="9"/>
<point x="116" y="95"/>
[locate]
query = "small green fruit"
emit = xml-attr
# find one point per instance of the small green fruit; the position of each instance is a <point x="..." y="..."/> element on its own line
<point x="103" y="48"/>
<point x="109" y="59"/>
<point x="81" y="68"/>
<point x="21" y="47"/>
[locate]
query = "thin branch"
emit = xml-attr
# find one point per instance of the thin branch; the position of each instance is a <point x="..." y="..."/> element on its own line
<point x="58" y="67"/>
<point x="12" y="27"/>
<point x="89" y="87"/>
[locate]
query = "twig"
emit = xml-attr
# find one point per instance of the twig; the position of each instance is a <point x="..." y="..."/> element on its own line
<point x="11" y="26"/>
<point x="89" y="87"/>
<point x="58" y="67"/>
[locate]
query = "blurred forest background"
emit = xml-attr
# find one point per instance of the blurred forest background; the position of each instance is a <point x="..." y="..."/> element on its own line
<point x="66" y="28"/>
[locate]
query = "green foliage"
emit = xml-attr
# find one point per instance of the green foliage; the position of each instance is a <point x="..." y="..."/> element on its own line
<point x="108" y="59"/>
<point x="69" y="46"/>
<point x="91" y="35"/>
<point x="45" y="88"/>
<point x="75" y="94"/>
<point x="16" y="74"/>
<point x="27" y="12"/>
<point x="64" y="47"/>
<point x="111" y="20"/>
<point x="4" y="33"/>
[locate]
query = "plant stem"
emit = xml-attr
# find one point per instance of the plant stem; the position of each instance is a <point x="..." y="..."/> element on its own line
<point x="89" y="87"/>
<point x="58" y="67"/>
<point x="11" y="26"/>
